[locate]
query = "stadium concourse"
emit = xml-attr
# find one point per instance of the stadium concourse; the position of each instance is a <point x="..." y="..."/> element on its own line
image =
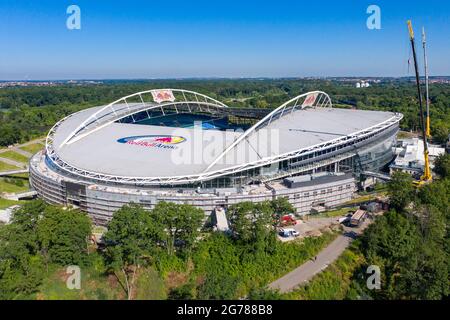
<point x="183" y="146"/>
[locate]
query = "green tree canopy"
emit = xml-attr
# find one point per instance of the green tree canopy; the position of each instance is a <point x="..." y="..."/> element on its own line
<point x="401" y="190"/>
<point x="132" y="240"/>
<point x="39" y="234"/>
<point x="181" y="222"/>
<point x="442" y="165"/>
<point x="251" y="222"/>
<point x="63" y="235"/>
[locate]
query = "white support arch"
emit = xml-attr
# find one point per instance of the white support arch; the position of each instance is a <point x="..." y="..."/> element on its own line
<point x="173" y="180"/>
<point x="322" y="99"/>
<point x="280" y="111"/>
<point x="111" y="112"/>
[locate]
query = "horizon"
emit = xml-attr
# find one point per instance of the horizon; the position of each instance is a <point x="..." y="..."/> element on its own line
<point x="224" y="40"/>
<point x="228" y="78"/>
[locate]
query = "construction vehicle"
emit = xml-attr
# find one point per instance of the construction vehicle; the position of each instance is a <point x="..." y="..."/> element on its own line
<point x="426" y="177"/>
<point x="357" y="218"/>
<point x="427" y="94"/>
<point x="288" y="220"/>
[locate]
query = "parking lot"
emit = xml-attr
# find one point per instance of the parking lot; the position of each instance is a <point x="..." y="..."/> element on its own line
<point x="312" y="226"/>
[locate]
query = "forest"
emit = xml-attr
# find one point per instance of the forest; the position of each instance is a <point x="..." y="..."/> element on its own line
<point x="29" y="112"/>
<point x="410" y="244"/>
<point x="168" y="253"/>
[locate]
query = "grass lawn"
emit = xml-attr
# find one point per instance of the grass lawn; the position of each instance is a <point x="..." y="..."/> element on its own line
<point x="96" y="284"/>
<point x="5" y="203"/>
<point x="406" y="135"/>
<point x="14" y="156"/>
<point x="20" y="175"/>
<point x="33" y="148"/>
<point x="13" y="185"/>
<point x="336" y="213"/>
<point x="7" y="167"/>
<point x="362" y="199"/>
<point x="150" y="286"/>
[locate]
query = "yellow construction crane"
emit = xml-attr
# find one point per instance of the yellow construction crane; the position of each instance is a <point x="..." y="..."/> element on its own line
<point x="426" y="177"/>
<point x="427" y="96"/>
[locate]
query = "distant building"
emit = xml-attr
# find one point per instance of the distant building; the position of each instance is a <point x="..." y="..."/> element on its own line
<point x="410" y="157"/>
<point x="363" y="84"/>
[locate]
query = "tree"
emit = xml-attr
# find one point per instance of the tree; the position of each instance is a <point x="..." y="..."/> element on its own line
<point x="251" y="222"/>
<point x="440" y="132"/>
<point x="63" y="235"/>
<point x="8" y="135"/>
<point x="38" y="234"/>
<point x="21" y="270"/>
<point x="264" y="294"/>
<point x="281" y="206"/>
<point x="181" y="223"/>
<point x="442" y="165"/>
<point x="183" y="292"/>
<point x="410" y="249"/>
<point x="390" y="243"/>
<point x="427" y="276"/>
<point x="132" y="240"/>
<point x="26" y="219"/>
<point x="436" y="194"/>
<point x="401" y="190"/>
<point x="218" y="287"/>
<point x="241" y="217"/>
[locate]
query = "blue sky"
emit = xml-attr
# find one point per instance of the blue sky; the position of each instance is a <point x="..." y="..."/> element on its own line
<point x="216" y="38"/>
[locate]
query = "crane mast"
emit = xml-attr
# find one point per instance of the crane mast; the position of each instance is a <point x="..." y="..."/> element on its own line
<point x="426" y="172"/>
<point x="427" y="98"/>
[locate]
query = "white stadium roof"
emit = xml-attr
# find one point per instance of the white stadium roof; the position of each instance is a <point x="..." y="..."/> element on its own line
<point x="290" y="129"/>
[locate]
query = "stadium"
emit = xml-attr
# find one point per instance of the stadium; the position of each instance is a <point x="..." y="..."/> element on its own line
<point x="185" y="147"/>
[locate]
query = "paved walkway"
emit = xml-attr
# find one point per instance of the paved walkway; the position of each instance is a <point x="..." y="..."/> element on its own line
<point x="22" y="152"/>
<point x="12" y="172"/>
<point x="15" y="148"/>
<point x="13" y="162"/>
<point x="309" y="269"/>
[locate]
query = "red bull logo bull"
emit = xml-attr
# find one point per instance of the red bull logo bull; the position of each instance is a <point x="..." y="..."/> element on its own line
<point x="154" y="141"/>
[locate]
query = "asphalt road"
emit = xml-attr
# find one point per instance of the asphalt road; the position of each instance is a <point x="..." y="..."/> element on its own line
<point x="309" y="269"/>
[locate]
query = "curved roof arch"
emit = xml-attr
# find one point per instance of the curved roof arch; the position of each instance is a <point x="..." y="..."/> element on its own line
<point x="314" y="99"/>
<point x="311" y="99"/>
<point x="135" y="103"/>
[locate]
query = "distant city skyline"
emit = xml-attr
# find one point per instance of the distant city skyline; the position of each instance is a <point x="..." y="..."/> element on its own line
<point x="218" y="39"/>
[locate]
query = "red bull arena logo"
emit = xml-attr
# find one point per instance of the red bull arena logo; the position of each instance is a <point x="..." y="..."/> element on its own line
<point x="154" y="141"/>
